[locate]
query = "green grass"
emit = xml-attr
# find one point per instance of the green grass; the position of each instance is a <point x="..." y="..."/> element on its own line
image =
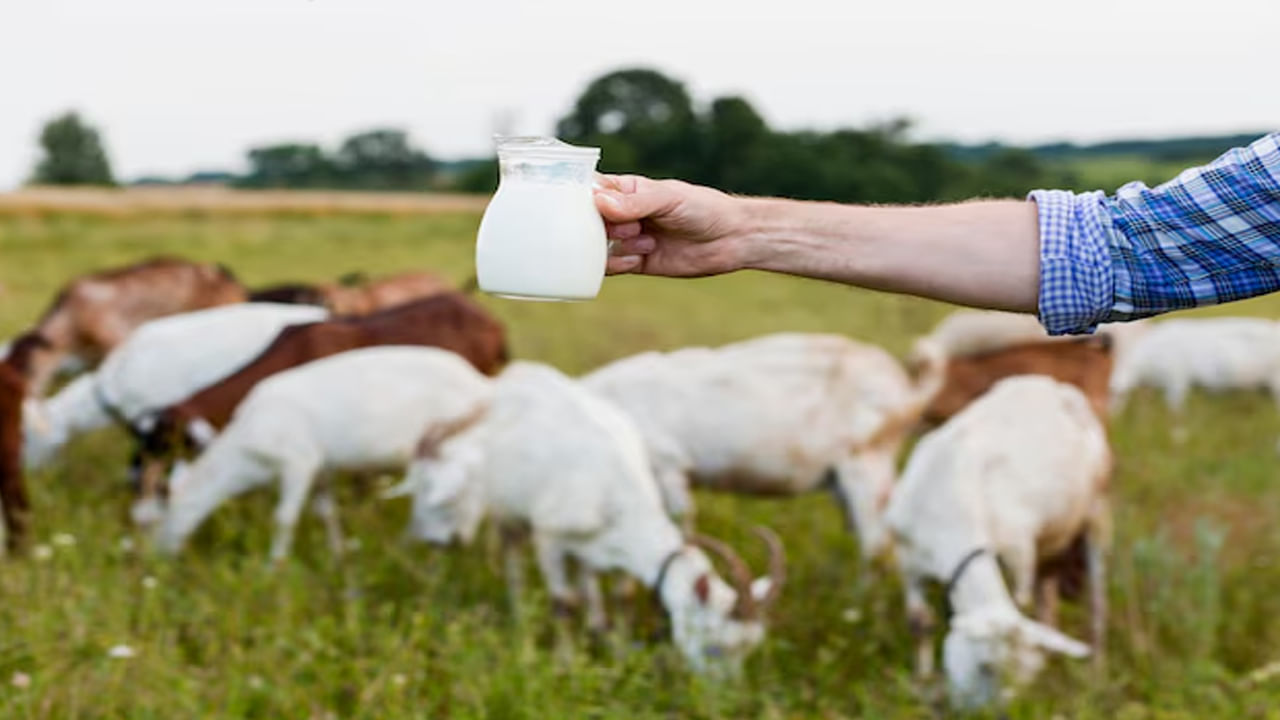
<point x="1112" y="171"/>
<point x="396" y="631"/>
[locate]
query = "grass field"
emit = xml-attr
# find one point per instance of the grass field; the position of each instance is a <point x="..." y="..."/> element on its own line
<point x="1110" y="172"/>
<point x="396" y="631"/>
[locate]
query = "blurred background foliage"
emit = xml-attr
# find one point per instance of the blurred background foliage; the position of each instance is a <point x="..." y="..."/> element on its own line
<point x="648" y="123"/>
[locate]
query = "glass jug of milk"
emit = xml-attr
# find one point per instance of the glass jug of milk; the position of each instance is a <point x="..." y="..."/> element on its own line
<point x="541" y="237"/>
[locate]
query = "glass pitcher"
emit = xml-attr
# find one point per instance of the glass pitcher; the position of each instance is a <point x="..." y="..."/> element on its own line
<point x="541" y="237"/>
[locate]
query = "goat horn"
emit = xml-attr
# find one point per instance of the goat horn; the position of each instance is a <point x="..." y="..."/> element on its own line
<point x="745" y="606"/>
<point x="429" y="444"/>
<point x="777" y="565"/>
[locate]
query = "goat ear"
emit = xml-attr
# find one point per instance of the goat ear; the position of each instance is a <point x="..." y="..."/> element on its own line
<point x="33" y="411"/>
<point x="702" y="588"/>
<point x="760" y="587"/>
<point x="979" y="625"/>
<point x="1051" y="640"/>
<point x="201" y="432"/>
<point x="404" y="488"/>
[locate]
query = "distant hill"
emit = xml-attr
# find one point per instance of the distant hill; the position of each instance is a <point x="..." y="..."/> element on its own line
<point x="1188" y="149"/>
<point x="449" y="170"/>
<point x="202" y="177"/>
<point x="1104" y="165"/>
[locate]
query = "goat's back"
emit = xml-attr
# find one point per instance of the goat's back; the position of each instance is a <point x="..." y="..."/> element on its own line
<point x="781" y="406"/>
<point x="1084" y="363"/>
<point x="449" y="321"/>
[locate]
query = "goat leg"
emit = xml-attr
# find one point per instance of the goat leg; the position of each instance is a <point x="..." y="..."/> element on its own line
<point x="1096" y="560"/>
<point x="326" y="507"/>
<point x="922" y="623"/>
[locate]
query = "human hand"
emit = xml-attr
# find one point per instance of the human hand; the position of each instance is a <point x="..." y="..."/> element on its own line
<point x="668" y="227"/>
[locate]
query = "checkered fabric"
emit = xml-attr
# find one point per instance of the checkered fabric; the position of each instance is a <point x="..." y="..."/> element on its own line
<point x="1210" y="235"/>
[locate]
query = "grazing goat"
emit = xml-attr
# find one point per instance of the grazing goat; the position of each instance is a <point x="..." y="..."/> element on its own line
<point x="1216" y="354"/>
<point x="778" y="415"/>
<point x="94" y="313"/>
<point x="450" y="321"/>
<point x="290" y="293"/>
<point x="360" y="410"/>
<point x="971" y="332"/>
<point x="1017" y="477"/>
<point x="1084" y="362"/>
<point x="13" y="490"/>
<point x="382" y="293"/>
<point x="573" y="469"/>
<point x="987" y="344"/>
<point x="362" y="296"/>
<point x="162" y="361"/>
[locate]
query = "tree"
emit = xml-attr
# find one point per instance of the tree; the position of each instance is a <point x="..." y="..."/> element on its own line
<point x="1011" y="172"/>
<point x="643" y="121"/>
<point x="735" y="134"/>
<point x="383" y="159"/>
<point x="73" y="154"/>
<point x="290" y="165"/>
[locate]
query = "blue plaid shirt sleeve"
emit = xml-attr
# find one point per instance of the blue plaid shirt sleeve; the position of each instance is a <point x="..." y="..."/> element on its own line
<point x="1210" y="235"/>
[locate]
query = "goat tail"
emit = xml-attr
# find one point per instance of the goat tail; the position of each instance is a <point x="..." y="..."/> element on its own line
<point x="929" y="365"/>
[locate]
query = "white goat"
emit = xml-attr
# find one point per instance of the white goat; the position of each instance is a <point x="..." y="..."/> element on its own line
<point x="972" y="332"/>
<point x="572" y="468"/>
<point x="359" y="410"/>
<point x="1216" y="354"/>
<point x="1018" y="476"/>
<point x="777" y="415"/>
<point x="160" y="363"/>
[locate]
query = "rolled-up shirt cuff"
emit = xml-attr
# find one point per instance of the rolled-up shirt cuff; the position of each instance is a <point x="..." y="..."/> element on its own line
<point x="1076" y="284"/>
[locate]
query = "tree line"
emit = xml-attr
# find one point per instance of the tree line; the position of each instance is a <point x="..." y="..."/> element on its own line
<point x="646" y="122"/>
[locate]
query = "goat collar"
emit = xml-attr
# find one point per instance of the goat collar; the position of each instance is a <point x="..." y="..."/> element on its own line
<point x="961" y="567"/>
<point x="111" y="410"/>
<point x="662" y="572"/>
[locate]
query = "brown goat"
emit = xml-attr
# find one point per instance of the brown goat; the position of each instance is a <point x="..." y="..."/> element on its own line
<point x="289" y="294"/>
<point x="13" y="489"/>
<point x="382" y="293"/>
<point x="450" y="321"/>
<point x="356" y="295"/>
<point x="94" y="313"/>
<point x="1085" y="363"/>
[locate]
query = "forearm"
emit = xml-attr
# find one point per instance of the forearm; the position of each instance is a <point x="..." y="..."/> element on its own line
<point x="982" y="253"/>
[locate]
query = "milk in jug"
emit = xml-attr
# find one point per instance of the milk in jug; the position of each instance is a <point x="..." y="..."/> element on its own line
<point x="541" y="237"/>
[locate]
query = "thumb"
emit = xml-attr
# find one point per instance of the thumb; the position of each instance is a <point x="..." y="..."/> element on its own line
<point x="636" y="199"/>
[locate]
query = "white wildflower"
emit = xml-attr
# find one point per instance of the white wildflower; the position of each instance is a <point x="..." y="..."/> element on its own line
<point x="20" y="680"/>
<point x="256" y="682"/>
<point x="121" y="652"/>
<point x="42" y="552"/>
<point x="64" y="540"/>
<point x="399" y="680"/>
<point x="149" y="582"/>
<point x="1264" y="673"/>
<point x="851" y="615"/>
<point x="126" y="544"/>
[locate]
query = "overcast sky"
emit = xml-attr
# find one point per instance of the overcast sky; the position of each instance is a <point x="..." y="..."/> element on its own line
<point x="180" y="85"/>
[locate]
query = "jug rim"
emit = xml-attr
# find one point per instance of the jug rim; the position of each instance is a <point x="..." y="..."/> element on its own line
<point x="539" y="146"/>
